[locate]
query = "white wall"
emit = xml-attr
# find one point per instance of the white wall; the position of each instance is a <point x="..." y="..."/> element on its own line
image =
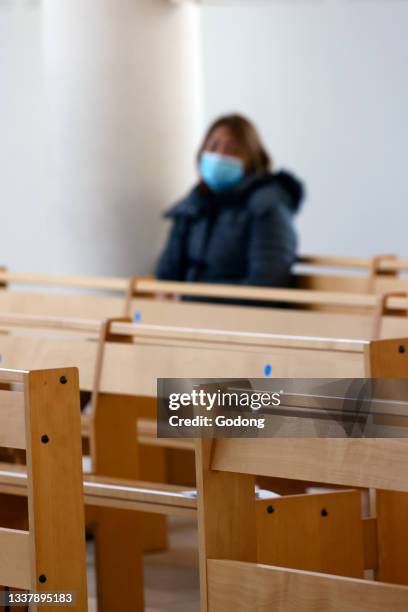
<point x="326" y="81"/>
<point x="98" y="124"/>
<point x="100" y="107"/>
<point x="23" y="185"/>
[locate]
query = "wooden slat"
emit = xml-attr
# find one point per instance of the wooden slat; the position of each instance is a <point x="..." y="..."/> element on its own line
<point x="293" y="532"/>
<point x="8" y="376"/>
<point x="385" y="264"/>
<point x="15" y="558"/>
<point x="81" y="282"/>
<point x="48" y="351"/>
<point x="61" y="305"/>
<point x="141" y="496"/>
<point x="173" y="332"/>
<point x="368" y="463"/>
<point x="279" y="321"/>
<point x="115" y="492"/>
<point x="337" y="262"/>
<point x="12" y="419"/>
<point x="295" y="296"/>
<point x="181" y="333"/>
<point x="133" y="369"/>
<point x="201" y="335"/>
<point x="244" y="587"/>
<point x="9" y="320"/>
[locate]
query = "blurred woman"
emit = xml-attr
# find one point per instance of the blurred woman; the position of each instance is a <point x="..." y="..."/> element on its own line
<point x="236" y="225"/>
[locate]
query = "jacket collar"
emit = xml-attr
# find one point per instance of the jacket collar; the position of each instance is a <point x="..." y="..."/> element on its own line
<point x="200" y="199"/>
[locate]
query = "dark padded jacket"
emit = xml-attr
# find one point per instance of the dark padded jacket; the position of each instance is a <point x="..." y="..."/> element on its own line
<point x="244" y="236"/>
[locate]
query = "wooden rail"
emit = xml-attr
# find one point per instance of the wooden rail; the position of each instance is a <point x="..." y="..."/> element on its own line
<point x="385" y="264"/>
<point x="267" y="294"/>
<point x="114" y="492"/>
<point x="167" y="333"/>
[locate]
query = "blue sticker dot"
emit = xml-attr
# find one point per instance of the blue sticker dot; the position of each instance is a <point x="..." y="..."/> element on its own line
<point x="268" y="369"/>
<point x="137" y="316"/>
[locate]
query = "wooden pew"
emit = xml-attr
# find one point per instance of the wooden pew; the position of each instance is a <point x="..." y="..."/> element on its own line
<point x="130" y="368"/>
<point x="41" y="416"/>
<point x="129" y="371"/>
<point x="99" y="297"/>
<point x="113" y="501"/>
<point x="306" y="529"/>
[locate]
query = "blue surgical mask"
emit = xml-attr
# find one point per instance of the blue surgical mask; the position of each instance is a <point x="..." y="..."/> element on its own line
<point x="221" y="172"/>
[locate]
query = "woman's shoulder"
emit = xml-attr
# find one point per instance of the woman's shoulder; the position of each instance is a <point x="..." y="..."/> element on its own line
<point x="281" y="189"/>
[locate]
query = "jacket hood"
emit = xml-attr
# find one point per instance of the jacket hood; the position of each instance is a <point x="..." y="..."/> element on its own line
<point x="293" y="187"/>
<point x="289" y="187"/>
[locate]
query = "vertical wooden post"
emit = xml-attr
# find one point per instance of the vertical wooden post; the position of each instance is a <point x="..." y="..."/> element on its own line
<point x="226" y="515"/>
<point x="55" y="504"/>
<point x="382" y="310"/>
<point x="118" y="561"/>
<point x="121" y="536"/>
<point x="375" y="272"/>
<point x="389" y="359"/>
<point x="129" y="297"/>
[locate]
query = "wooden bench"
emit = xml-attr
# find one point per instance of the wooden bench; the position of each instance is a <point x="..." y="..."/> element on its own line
<point x="128" y="371"/>
<point x="121" y="372"/>
<point x="103" y="297"/>
<point x="169" y="353"/>
<point x="41" y="415"/>
<point x="53" y="484"/>
<point x="308" y="534"/>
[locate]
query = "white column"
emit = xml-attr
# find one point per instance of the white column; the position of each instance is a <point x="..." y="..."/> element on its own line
<point x="122" y="85"/>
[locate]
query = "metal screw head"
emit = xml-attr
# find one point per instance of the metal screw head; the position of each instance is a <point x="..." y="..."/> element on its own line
<point x="401" y="348"/>
<point x="45" y="439"/>
<point x="324" y="512"/>
<point x="270" y="509"/>
<point x="42" y="578"/>
<point x="63" y="380"/>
